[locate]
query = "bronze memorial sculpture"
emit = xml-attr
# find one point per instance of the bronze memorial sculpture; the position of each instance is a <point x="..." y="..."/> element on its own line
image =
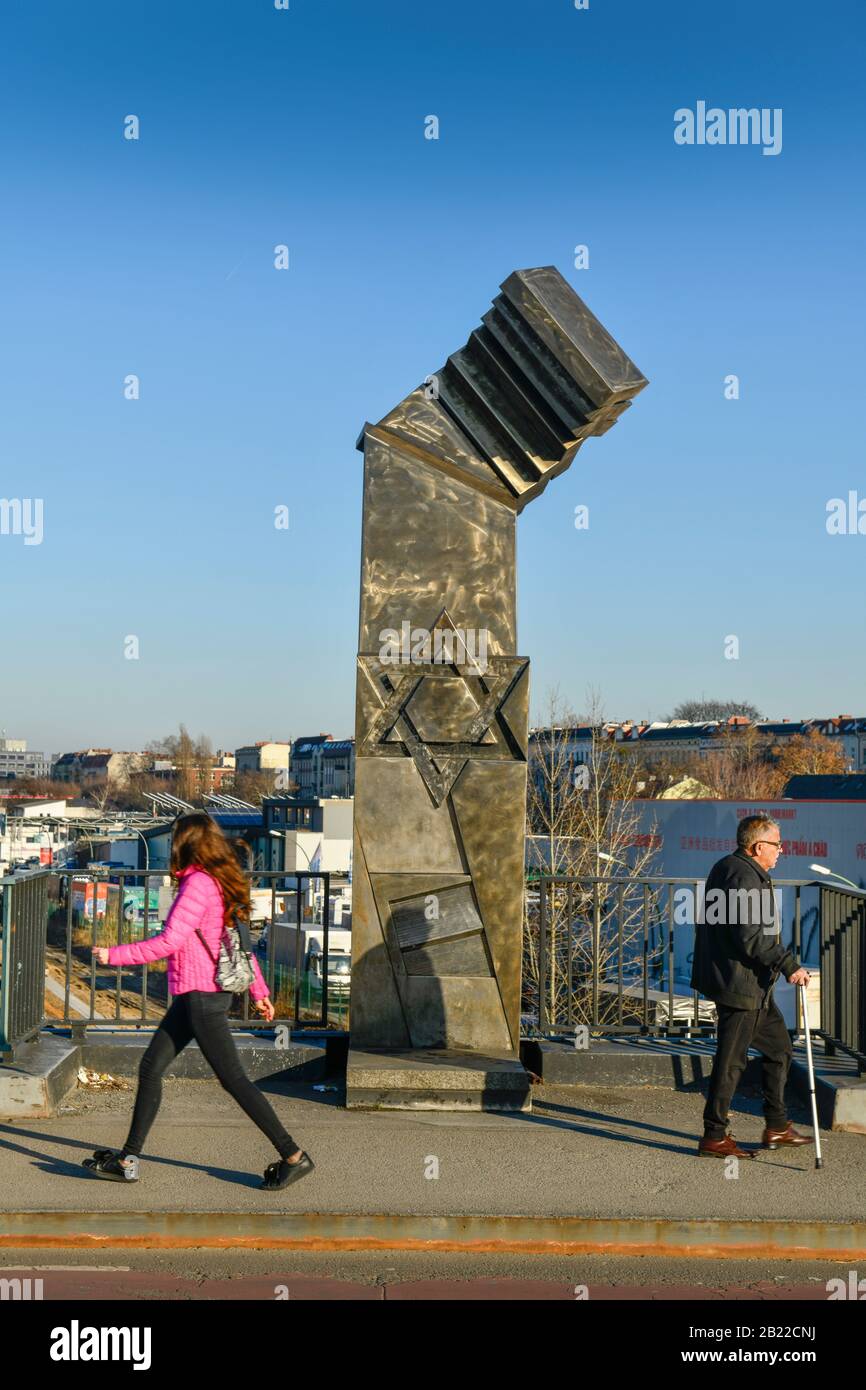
<point x="442" y="698"/>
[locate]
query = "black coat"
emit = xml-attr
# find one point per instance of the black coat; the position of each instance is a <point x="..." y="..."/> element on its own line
<point x="738" y="950"/>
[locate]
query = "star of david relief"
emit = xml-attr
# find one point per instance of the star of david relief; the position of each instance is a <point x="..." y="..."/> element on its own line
<point x="440" y="713"/>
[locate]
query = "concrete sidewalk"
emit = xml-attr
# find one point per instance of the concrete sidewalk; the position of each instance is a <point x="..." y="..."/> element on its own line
<point x="584" y="1152"/>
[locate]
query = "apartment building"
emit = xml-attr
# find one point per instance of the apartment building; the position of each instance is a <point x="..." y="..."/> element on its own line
<point x="323" y="766"/>
<point x="266" y="756"/>
<point x="681" y="740"/>
<point x="92" y="765"/>
<point x="17" y="761"/>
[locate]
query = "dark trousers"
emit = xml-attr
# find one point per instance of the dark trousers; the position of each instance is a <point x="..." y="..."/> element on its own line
<point x="738" y="1030"/>
<point x="203" y="1016"/>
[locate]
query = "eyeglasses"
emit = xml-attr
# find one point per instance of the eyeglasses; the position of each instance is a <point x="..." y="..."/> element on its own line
<point x="777" y="844"/>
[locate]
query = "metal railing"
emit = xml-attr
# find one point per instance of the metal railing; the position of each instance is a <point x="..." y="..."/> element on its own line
<point x="22" y="964"/>
<point x="606" y="956"/>
<point x="600" y="952"/>
<point x="843" y="972"/>
<point x="603" y="952"/>
<point x="110" y="907"/>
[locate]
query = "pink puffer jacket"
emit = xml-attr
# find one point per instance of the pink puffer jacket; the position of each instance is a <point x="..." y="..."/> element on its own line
<point x="199" y="904"/>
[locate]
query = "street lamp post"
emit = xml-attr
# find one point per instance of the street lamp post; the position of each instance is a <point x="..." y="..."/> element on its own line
<point x="146" y="851"/>
<point x="280" y="835"/>
<point x="831" y="873"/>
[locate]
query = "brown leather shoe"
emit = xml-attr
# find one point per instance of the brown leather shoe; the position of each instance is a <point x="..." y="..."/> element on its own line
<point x="772" y="1138"/>
<point x="722" y="1148"/>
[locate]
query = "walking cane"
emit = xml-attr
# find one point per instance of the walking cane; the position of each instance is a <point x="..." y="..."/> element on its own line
<point x="819" y="1162"/>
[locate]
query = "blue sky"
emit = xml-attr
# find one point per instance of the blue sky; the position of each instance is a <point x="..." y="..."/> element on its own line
<point x="306" y="127"/>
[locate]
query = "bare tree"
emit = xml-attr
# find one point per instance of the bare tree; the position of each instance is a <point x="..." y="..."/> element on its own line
<point x="162" y="747"/>
<point x="202" y="759"/>
<point x="658" y="773"/>
<point x="583" y="824"/>
<point x="102" y="794"/>
<point x="44" y="786"/>
<point x="193" y="763"/>
<point x="738" y="767"/>
<point x="703" y="710"/>
<point x="745" y="765"/>
<point x="135" y="796"/>
<point x="252" y="786"/>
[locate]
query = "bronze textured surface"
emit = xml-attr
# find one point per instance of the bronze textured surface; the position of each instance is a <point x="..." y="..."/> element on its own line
<point x="442" y="704"/>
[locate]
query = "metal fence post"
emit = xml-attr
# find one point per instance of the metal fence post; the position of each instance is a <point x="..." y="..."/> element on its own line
<point x="326" y="878"/>
<point x="6" y="971"/>
<point x="298" y="941"/>
<point x="22" y="981"/>
<point x="542" y="955"/>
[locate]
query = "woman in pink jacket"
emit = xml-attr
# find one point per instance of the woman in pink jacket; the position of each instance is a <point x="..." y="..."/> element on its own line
<point x="212" y="892"/>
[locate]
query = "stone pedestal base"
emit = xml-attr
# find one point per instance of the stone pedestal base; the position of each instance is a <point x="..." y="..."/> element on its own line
<point x="435" y="1079"/>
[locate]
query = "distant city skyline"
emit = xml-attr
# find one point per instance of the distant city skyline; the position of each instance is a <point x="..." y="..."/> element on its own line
<point x="228" y="746"/>
<point x="153" y="583"/>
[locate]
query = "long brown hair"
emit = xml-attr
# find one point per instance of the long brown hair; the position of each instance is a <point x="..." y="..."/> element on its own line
<point x="197" y="839"/>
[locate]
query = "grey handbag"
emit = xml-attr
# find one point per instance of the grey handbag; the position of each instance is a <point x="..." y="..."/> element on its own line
<point x="234" y="966"/>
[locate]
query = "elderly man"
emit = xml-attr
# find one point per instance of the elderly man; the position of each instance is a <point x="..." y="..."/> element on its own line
<point x="738" y="956"/>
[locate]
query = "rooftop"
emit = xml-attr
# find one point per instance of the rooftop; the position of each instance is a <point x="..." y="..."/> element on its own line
<point x="827" y="787"/>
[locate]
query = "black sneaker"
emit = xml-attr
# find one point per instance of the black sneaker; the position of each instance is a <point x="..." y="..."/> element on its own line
<point x="107" y="1163"/>
<point x="281" y="1173"/>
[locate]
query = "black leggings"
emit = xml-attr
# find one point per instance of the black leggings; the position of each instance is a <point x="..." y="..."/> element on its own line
<point x="202" y="1015"/>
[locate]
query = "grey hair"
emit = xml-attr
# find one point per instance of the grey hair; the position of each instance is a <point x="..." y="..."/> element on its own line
<point x="751" y="828"/>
